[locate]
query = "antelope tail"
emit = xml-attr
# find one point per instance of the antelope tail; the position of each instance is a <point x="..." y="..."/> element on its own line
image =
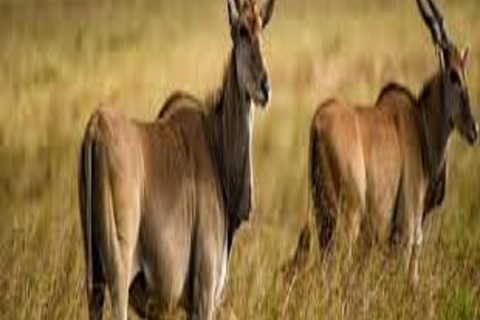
<point x="86" y="199"/>
<point x="88" y="207"/>
<point x="314" y="172"/>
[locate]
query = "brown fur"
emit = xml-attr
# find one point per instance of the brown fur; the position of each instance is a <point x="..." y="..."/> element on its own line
<point x="377" y="172"/>
<point x="160" y="201"/>
<point x="178" y="99"/>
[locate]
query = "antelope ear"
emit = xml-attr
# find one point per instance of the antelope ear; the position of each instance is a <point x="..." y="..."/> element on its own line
<point x="466" y="57"/>
<point x="232" y="12"/>
<point x="266" y="12"/>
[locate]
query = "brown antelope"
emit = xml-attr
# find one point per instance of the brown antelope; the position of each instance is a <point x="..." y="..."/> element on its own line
<point x="376" y="172"/>
<point x="160" y="201"/>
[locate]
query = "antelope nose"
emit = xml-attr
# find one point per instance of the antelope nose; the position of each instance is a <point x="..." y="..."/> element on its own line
<point x="265" y="88"/>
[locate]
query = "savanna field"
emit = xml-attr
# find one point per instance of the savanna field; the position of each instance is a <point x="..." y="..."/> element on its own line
<point x="60" y="59"/>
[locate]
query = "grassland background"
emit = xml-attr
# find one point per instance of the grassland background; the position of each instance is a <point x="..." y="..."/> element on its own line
<point x="60" y="59"/>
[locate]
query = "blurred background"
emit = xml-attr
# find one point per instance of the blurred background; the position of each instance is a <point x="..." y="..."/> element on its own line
<point x="60" y="59"/>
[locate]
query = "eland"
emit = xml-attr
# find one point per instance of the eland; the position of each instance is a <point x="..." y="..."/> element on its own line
<point x="376" y="172"/>
<point x="160" y="201"/>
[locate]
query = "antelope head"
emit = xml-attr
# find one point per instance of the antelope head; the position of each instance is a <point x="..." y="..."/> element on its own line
<point x="453" y="66"/>
<point x="247" y="22"/>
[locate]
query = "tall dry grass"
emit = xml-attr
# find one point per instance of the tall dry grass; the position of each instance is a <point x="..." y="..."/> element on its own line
<point x="61" y="59"/>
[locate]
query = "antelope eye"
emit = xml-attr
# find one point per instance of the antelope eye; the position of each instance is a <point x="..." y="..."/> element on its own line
<point x="244" y="32"/>
<point x="454" y="77"/>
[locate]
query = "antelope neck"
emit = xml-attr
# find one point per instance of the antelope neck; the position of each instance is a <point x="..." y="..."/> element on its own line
<point x="230" y="126"/>
<point x="434" y="128"/>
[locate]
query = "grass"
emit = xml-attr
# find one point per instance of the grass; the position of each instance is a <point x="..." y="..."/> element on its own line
<point x="60" y="59"/>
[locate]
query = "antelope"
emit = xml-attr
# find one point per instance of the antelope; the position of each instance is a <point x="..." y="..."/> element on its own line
<point x="375" y="173"/>
<point x="160" y="201"/>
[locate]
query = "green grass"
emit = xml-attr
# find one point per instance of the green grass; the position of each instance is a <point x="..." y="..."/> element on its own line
<point x="61" y="59"/>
